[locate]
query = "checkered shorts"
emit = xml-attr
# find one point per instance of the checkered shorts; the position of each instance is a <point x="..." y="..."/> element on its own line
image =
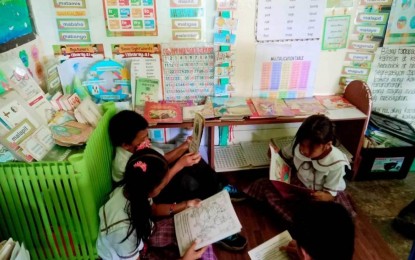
<point x="263" y="190"/>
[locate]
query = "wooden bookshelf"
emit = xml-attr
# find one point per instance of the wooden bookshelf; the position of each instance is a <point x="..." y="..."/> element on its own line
<point x="351" y="123"/>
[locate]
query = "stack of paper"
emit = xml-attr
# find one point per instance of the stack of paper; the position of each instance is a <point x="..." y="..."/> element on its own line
<point x="12" y="250"/>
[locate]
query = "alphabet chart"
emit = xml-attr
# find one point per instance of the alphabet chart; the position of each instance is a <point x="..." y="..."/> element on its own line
<point x="285" y="70"/>
<point x="188" y="72"/>
<point x="289" y="20"/>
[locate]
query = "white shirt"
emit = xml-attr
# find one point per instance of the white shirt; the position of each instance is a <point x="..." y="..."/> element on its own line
<point x="114" y="225"/>
<point x="324" y="174"/>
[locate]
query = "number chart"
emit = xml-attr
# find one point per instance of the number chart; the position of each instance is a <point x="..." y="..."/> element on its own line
<point x="188" y="73"/>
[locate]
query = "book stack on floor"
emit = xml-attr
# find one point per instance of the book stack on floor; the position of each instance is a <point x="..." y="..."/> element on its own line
<point x="13" y="250"/>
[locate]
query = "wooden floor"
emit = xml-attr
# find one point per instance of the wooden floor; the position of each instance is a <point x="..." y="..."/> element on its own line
<point x="259" y="224"/>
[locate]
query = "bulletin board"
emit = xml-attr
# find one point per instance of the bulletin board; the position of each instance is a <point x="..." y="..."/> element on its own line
<point x="328" y="60"/>
<point x="327" y="69"/>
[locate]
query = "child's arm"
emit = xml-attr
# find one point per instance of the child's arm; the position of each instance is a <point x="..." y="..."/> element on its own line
<point x="333" y="183"/>
<point x="186" y="160"/>
<point x="160" y="210"/>
<point x="176" y="153"/>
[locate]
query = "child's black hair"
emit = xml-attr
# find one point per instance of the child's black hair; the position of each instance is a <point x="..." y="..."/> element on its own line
<point x="325" y="230"/>
<point x="318" y="129"/>
<point x="124" y="126"/>
<point x="145" y="170"/>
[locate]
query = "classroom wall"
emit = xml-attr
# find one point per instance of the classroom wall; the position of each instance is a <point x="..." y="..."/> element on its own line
<point x="328" y="72"/>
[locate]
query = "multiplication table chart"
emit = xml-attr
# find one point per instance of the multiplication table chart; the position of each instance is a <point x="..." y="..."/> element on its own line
<point x="188" y="73"/>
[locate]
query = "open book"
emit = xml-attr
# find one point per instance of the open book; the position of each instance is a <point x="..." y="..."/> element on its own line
<point x="198" y="126"/>
<point x="280" y="176"/>
<point x="214" y="220"/>
<point x="270" y="249"/>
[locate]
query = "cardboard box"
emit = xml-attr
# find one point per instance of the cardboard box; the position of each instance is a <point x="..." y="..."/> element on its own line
<point x="388" y="162"/>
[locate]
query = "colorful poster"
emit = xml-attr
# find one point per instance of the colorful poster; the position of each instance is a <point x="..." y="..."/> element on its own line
<point x="336" y="29"/>
<point x="286" y="70"/>
<point x="187" y="19"/>
<point x="130" y="18"/>
<point x="401" y="25"/>
<point x="72" y="21"/>
<point x="392" y="80"/>
<point x="70" y="51"/>
<point x="289" y="20"/>
<point x="188" y="72"/>
<point x="145" y="64"/>
<point x="132" y="51"/>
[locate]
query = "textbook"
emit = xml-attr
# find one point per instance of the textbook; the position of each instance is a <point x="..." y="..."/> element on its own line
<point x="334" y="101"/>
<point x="198" y="126"/>
<point x="279" y="170"/>
<point x="231" y="108"/>
<point x="270" y="107"/>
<point x="280" y="176"/>
<point x="305" y="106"/>
<point x="213" y="221"/>
<point x="163" y="112"/>
<point x="270" y="249"/>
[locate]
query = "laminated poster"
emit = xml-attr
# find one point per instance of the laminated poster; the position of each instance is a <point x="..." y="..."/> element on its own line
<point x="336" y="29"/>
<point x="188" y="72"/>
<point x="130" y="18"/>
<point x="187" y="19"/>
<point x="401" y="25"/>
<point x="286" y="70"/>
<point x="289" y="20"/>
<point x="392" y="80"/>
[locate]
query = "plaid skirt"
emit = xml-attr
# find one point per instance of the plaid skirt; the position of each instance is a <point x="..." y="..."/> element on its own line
<point x="263" y="190"/>
<point x="163" y="244"/>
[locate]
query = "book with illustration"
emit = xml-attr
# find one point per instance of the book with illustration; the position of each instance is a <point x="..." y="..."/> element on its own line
<point x="280" y="176"/>
<point x="270" y="107"/>
<point x="305" y="106"/>
<point x="213" y="221"/>
<point x="334" y="101"/>
<point x="198" y="126"/>
<point x="163" y="112"/>
<point x="231" y="108"/>
<point x="205" y="110"/>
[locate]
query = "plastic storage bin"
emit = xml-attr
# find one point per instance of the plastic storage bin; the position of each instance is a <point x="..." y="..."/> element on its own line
<point x="53" y="206"/>
<point x="389" y="162"/>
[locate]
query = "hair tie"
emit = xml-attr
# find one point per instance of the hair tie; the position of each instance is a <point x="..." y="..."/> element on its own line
<point x="143" y="145"/>
<point x="141" y="165"/>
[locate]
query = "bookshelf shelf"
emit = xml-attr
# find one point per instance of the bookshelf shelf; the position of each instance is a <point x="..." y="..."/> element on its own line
<point x="351" y="123"/>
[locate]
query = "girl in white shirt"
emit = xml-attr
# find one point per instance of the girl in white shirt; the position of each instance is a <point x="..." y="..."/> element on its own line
<point x="319" y="166"/>
<point x="126" y="219"/>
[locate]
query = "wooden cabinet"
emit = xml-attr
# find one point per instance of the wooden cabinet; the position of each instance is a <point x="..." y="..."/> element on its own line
<point x="351" y="123"/>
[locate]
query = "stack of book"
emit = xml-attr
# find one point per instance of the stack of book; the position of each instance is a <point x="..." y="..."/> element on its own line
<point x="238" y="108"/>
<point x="13" y="250"/>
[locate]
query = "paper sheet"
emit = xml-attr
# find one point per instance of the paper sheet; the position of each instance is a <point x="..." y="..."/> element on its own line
<point x="270" y="249"/>
<point x="214" y="220"/>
